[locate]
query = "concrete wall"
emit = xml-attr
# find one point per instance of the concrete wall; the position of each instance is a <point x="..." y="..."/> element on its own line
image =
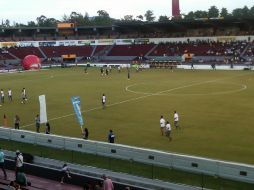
<point x="229" y="170"/>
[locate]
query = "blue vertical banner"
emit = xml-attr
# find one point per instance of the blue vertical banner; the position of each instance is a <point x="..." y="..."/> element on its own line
<point x="77" y="109"/>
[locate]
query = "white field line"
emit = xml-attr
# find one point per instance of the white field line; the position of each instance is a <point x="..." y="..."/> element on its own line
<point x="133" y="99"/>
<point x="242" y="87"/>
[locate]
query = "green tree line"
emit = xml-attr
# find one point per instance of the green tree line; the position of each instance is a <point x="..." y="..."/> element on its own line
<point x="103" y="17"/>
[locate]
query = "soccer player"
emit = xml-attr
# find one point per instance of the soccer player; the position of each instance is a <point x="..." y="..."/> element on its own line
<point x="129" y="75"/>
<point x="24" y="91"/>
<point x="103" y="101"/>
<point x="168" y="131"/>
<point x="85" y="69"/>
<point x="2" y="95"/>
<point x="23" y="97"/>
<point x="162" y="125"/>
<point x="101" y="71"/>
<point x="10" y="95"/>
<point x="192" y="66"/>
<point x="176" y="120"/>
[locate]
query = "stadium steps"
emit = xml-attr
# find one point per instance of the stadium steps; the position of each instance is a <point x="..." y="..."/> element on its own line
<point x="151" y="50"/>
<point x="103" y="52"/>
<point x="109" y="49"/>
<point x="245" y="49"/>
<point x="94" y="49"/>
<point x="43" y="54"/>
<point x="14" y="56"/>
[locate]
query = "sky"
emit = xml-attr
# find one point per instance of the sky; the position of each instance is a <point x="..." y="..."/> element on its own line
<point x="22" y="11"/>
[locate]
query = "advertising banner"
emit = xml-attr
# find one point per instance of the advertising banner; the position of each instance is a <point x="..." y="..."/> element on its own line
<point x="77" y="109"/>
<point x="43" y="111"/>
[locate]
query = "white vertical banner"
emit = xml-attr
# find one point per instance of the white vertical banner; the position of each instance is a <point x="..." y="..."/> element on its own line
<point x="43" y="112"/>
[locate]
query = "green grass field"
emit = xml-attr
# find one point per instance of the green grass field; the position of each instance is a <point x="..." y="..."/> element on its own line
<point x="215" y="107"/>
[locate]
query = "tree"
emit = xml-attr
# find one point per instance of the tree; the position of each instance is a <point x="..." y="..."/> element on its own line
<point x="213" y="12"/>
<point x="77" y="18"/>
<point x="31" y="24"/>
<point x="149" y="16"/>
<point x="86" y="19"/>
<point x="7" y="23"/>
<point x="237" y="13"/>
<point x="140" y="17"/>
<point x="41" y="20"/>
<point x="163" y="18"/>
<point x="51" y="22"/>
<point x="102" y="18"/>
<point x="200" y="14"/>
<point x="224" y="12"/>
<point x="245" y="12"/>
<point x="128" y="18"/>
<point x="251" y="12"/>
<point x="65" y="18"/>
<point x="102" y="13"/>
<point x="190" y="15"/>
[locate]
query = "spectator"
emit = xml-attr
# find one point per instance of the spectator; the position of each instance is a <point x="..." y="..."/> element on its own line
<point x="98" y="185"/>
<point x="107" y="183"/>
<point x="14" y="186"/>
<point x="2" y="166"/>
<point x="111" y="136"/>
<point x="19" y="162"/>
<point x="65" y="173"/>
<point x="16" y="122"/>
<point x="5" y="121"/>
<point x="21" y="179"/>
<point x="37" y="123"/>
<point x="47" y="131"/>
<point x="85" y="134"/>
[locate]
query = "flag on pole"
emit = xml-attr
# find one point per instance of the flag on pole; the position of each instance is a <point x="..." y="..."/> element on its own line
<point x="43" y="111"/>
<point x="77" y="109"/>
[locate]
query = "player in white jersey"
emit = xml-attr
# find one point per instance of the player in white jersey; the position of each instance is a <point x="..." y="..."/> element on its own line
<point x="168" y="131"/>
<point x="103" y="101"/>
<point x="2" y="95"/>
<point x="176" y="120"/>
<point x="162" y="125"/>
<point x="10" y="95"/>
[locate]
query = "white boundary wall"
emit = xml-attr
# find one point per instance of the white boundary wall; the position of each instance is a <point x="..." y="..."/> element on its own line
<point x="218" y="67"/>
<point x="123" y="41"/>
<point x="229" y="170"/>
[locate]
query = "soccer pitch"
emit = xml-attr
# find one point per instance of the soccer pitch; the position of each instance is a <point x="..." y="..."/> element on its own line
<point x="215" y="107"/>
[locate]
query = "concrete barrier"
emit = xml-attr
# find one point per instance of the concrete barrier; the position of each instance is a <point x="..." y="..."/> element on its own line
<point x="228" y="170"/>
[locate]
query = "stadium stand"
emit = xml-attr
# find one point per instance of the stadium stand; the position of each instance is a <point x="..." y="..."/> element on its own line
<point x="21" y="52"/>
<point x="130" y="50"/>
<point x="79" y="51"/>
